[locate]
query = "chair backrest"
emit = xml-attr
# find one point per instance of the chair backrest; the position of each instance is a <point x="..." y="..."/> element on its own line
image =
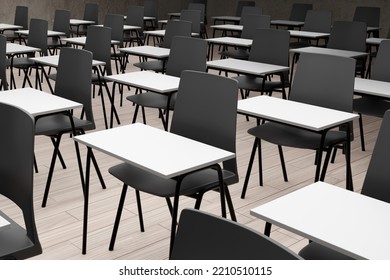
<point x="74" y="78"/>
<point x="61" y="21"/>
<point x="376" y="182"/>
<point x="186" y="53"/>
<point x="250" y="10"/>
<point x="37" y="35"/>
<point x="270" y="46"/>
<point x="204" y="236"/>
<point x="368" y="15"/>
<point x="3" y="61"/>
<point x="206" y="111"/>
<point x="253" y="22"/>
<point x="324" y="80"/>
<point x="193" y="16"/>
<point x="380" y="69"/>
<point x="21" y="16"/>
<point x="151" y="9"/>
<point x="200" y="7"/>
<point x="241" y="4"/>
<point x="176" y="28"/>
<point x="135" y="17"/>
<point x="16" y="174"/>
<point x="98" y="42"/>
<point x="318" y="21"/>
<point x="299" y="10"/>
<point x="348" y="35"/>
<point x="115" y="22"/>
<point x="91" y="12"/>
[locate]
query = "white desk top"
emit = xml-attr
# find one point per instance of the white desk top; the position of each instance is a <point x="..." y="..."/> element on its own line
<point x="372" y="87"/>
<point x="4" y="224"/>
<point x="354" y="224"/>
<point x="126" y="27"/>
<point x="231" y="27"/>
<point x="245" y="66"/>
<point x="149" y="51"/>
<point x="375" y="41"/>
<point x="289" y="112"/>
<point x="81" y="41"/>
<point x="50" y="33"/>
<point x="36" y="102"/>
<point x="148" y="80"/>
<point x="287" y="22"/>
<point x="52" y="60"/>
<point x="6" y="26"/>
<point x="13" y="48"/>
<point x="80" y="22"/>
<point x="308" y="34"/>
<point x="227" y="18"/>
<point x="337" y="52"/>
<point x="136" y="144"/>
<point x="159" y="33"/>
<point x="231" y="41"/>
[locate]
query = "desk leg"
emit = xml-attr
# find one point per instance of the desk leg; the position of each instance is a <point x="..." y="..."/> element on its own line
<point x="267" y="229"/>
<point x="86" y="200"/>
<point x="348" y="159"/>
<point x="319" y="156"/>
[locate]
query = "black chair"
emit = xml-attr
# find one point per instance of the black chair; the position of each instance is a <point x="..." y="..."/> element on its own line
<point x="216" y="126"/>
<point x="200" y="5"/>
<point x="369" y="105"/>
<point x="3" y="62"/>
<point x="375" y="185"/>
<point x="21" y="19"/>
<point x="91" y="13"/>
<point x="321" y="80"/>
<point x="116" y="22"/>
<point x="151" y="10"/>
<point x="299" y="10"/>
<point x="193" y="16"/>
<point x="74" y="65"/>
<point x="250" y="24"/>
<point x="61" y="24"/>
<point x="134" y="17"/>
<point x="241" y="5"/>
<point x="351" y="36"/>
<point x="269" y="46"/>
<point x="173" y="28"/>
<point x="204" y="236"/>
<point x="370" y="16"/>
<point x="16" y="165"/>
<point x="37" y="37"/>
<point x="179" y="60"/>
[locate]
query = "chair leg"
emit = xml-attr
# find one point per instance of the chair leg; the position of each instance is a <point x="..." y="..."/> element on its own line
<point x="249" y="169"/>
<point x="139" y="207"/>
<point x="118" y="217"/>
<point x="230" y="204"/>
<point x="283" y="163"/>
<point x="59" y="154"/>
<point x="361" y="132"/>
<point x="169" y="204"/>
<point x="35" y="164"/>
<point x="97" y="169"/>
<point x="326" y="163"/>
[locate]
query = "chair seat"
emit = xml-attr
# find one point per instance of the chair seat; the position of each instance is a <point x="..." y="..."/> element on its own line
<point x="144" y="181"/>
<point x="253" y="83"/>
<point x="371" y="106"/>
<point x="286" y="135"/>
<point x="16" y="237"/>
<point x="315" y="251"/>
<point x="239" y="53"/>
<point x="22" y="62"/>
<point x="152" y="65"/>
<point x="152" y="100"/>
<point x="56" y="123"/>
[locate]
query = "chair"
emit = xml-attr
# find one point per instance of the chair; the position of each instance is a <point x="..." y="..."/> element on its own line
<point x="269" y="46"/>
<point x="204" y="236"/>
<point x="250" y="24"/>
<point x="215" y="126"/>
<point x="16" y="165"/>
<point x="299" y="10"/>
<point x="135" y="17"/>
<point x="349" y="35"/>
<point x="321" y="80"/>
<point x="61" y="24"/>
<point x="151" y="10"/>
<point x="375" y="185"/>
<point x="315" y="21"/>
<point x="241" y="5"/>
<point x="200" y="5"/>
<point x="179" y="60"/>
<point x="369" y="105"/>
<point x="74" y="65"/>
<point x="368" y="15"/>
<point x="116" y="22"/>
<point x="173" y="28"/>
<point x="37" y="37"/>
<point x="3" y="62"/>
<point x="21" y="19"/>
<point x="193" y="16"/>
<point x="91" y="13"/>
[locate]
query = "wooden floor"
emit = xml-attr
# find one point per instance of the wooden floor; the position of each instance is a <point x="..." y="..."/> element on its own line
<point x="60" y="223"/>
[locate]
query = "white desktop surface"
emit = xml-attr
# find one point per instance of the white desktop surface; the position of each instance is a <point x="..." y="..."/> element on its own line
<point x="308" y="34"/>
<point x="284" y="22"/>
<point x="345" y="221"/>
<point x="13" y="48"/>
<point x="375" y="41"/>
<point x="299" y="114"/>
<point x="73" y="21"/>
<point x="372" y="87"/>
<point x="148" y="80"/>
<point x="6" y="26"/>
<point x="136" y="144"/>
<point x="232" y="41"/>
<point x="149" y="51"/>
<point x="82" y="40"/>
<point x="50" y="33"/>
<point x="245" y="66"/>
<point x="4" y="224"/>
<point x="52" y="60"/>
<point x="230" y="27"/>
<point x="35" y="102"/>
<point x="329" y="51"/>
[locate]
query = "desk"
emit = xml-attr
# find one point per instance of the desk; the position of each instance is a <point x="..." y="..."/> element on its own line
<point x="287" y="23"/>
<point x="372" y="88"/>
<point x="308" y="34"/>
<point x="6" y="26"/>
<point x="226" y="27"/>
<point x="50" y="33"/>
<point x="80" y="41"/>
<point x="227" y="41"/>
<point x="305" y="116"/>
<point x="345" y="221"/>
<point x="78" y="23"/>
<point x="151" y="81"/>
<point x="225" y="19"/>
<point x="136" y="144"/>
<point x="4" y="224"/>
